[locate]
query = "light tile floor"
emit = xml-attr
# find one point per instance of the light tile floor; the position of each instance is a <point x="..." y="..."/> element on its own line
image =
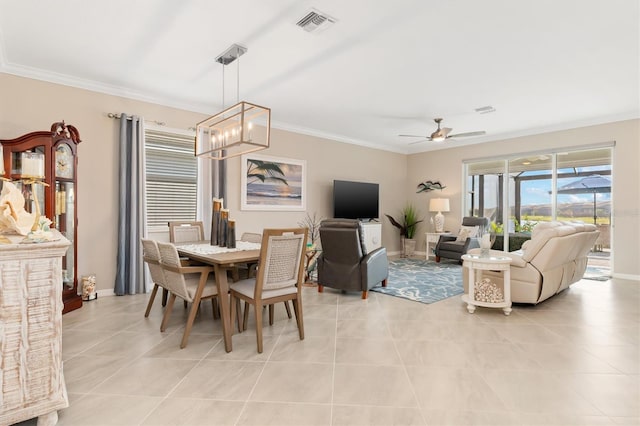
<point x="572" y="360"/>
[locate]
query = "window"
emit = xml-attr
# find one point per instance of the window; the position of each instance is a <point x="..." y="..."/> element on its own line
<point x="171" y="176"/>
<point x="562" y="185"/>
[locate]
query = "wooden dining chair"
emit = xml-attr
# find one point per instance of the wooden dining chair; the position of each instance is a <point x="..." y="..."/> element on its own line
<point x="279" y="278"/>
<point x="250" y="268"/>
<point x="183" y="232"/>
<point x="191" y="283"/>
<point x="151" y="257"/>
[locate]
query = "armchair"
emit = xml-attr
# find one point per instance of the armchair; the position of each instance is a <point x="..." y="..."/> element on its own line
<point x="344" y="263"/>
<point x="450" y="247"/>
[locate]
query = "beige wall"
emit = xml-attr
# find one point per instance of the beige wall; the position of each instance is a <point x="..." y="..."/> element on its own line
<point x="446" y="166"/>
<point x="29" y="105"/>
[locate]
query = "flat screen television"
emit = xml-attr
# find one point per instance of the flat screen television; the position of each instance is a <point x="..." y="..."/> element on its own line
<point x="355" y="200"/>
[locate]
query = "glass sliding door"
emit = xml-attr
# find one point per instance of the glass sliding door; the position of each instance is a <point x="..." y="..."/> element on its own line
<point x="530" y="199"/>
<point x="571" y="185"/>
<point x="484" y="192"/>
<point x="583" y="192"/>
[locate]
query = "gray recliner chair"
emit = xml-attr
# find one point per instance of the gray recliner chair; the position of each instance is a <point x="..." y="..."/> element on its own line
<point x="448" y="246"/>
<point x="344" y="263"/>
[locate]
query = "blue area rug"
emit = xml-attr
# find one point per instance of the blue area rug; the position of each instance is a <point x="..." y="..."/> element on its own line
<point x="422" y="280"/>
<point x="597" y="273"/>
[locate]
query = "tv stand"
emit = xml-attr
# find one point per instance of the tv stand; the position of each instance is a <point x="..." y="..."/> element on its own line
<point x="372" y="233"/>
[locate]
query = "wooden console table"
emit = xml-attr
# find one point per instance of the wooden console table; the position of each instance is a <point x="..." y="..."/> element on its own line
<point x="32" y="382"/>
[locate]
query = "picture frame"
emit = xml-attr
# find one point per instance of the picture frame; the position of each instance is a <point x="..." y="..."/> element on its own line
<point x="272" y="183"/>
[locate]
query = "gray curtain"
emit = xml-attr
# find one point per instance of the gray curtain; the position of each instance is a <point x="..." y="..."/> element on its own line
<point x="211" y="184"/>
<point x="131" y="211"/>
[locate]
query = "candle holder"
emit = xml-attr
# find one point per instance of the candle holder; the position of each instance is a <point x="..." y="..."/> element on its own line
<point x="222" y="229"/>
<point x="231" y="234"/>
<point x="215" y="220"/>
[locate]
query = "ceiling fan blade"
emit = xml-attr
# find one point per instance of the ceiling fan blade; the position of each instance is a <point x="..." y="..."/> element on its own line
<point x="412" y="136"/>
<point x="423" y="140"/>
<point x="462" y="135"/>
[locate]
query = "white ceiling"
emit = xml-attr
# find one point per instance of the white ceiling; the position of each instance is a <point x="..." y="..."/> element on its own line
<point x="385" y="68"/>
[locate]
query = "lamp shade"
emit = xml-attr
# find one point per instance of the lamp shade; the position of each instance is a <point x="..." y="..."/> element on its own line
<point x="439" y="205"/>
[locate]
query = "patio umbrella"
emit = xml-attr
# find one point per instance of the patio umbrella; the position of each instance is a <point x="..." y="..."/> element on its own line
<point x="588" y="185"/>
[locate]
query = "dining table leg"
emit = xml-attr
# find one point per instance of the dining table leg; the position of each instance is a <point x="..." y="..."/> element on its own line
<point x="225" y="308"/>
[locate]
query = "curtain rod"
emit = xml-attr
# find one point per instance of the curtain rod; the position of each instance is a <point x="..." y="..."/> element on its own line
<point x="118" y="116"/>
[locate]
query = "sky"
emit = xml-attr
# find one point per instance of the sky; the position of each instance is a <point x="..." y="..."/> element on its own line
<point x="535" y="192"/>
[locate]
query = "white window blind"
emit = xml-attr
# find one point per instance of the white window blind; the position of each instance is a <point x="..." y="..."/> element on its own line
<point x="171" y="174"/>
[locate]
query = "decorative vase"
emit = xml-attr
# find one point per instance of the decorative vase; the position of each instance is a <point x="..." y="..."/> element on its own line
<point x="215" y="221"/>
<point x="408" y="247"/>
<point x="231" y="234"/>
<point x="222" y="228"/>
<point x="485" y="245"/>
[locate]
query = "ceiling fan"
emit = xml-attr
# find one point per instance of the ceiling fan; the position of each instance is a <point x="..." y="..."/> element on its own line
<point x="442" y="133"/>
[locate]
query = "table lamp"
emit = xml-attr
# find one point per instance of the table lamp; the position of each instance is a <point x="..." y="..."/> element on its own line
<point x="439" y="205"/>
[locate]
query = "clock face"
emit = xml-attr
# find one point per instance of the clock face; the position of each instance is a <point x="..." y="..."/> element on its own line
<point x="64" y="161"/>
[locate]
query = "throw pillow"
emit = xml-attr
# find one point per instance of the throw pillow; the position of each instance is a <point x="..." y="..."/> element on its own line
<point x="467" y="232"/>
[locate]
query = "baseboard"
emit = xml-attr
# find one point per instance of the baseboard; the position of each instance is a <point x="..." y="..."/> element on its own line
<point x="109" y="292"/>
<point x="626" y="277"/>
<point x="106" y="293"/>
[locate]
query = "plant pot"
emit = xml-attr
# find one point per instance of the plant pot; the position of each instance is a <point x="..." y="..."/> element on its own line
<point x="408" y="247"/>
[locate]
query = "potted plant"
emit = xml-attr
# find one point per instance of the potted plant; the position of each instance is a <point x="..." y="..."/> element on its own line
<point x="407" y="226"/>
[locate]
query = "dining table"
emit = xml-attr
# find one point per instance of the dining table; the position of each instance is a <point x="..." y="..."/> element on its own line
<point x="222" y="259"/>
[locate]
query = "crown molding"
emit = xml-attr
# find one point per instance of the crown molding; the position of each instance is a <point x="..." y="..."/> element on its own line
<point x="334" y="137"/>
<point x="66" y="80"/>
<point x="108" y="89"/>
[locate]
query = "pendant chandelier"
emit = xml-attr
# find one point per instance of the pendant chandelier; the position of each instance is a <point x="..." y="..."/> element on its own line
<point x="239" y="129"/>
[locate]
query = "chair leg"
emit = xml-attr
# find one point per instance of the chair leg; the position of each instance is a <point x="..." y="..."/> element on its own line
<point x="233" y="304"/>
<point x="236" y="308"/>
<point x="165" y="293"/>
<point x="246" y="315"/>
<point x="235" y="275"/>
<point x="167" y="312"/>
<point x="259" y="327"/>
<point x="213" y="307"/>
<point x="320" y="288"/>
<point x="195" y="304"/>
<point x="364" y="294"/>
<point x="384" y="282"/>
<point x="216" y="308"/>
<point x="151" y="299"/>
<point x="297" y="307"/>
<point x="271" y="314"/>
<point x="438" y="259"/>
<point x="286" y="306"/>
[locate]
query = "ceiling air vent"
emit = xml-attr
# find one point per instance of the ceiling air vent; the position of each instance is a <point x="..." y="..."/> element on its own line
<point x="315" y="21"/>
<point x="485" y="109"/>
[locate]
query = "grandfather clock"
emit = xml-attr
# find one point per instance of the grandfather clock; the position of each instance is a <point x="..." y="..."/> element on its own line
<point x="58" y="196"/>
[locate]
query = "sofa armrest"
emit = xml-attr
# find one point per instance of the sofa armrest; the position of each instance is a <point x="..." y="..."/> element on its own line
<point x="443" y="239"/>
<point x="447" y="237"/>
<point x="374" y="267"/>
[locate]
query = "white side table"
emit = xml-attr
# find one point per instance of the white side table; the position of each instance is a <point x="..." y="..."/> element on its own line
<point x="476" y="265"/>
<point x="432" y="239"/>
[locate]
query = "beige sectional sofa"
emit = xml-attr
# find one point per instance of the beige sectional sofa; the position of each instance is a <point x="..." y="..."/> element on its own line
<point x="554" y="258"/>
